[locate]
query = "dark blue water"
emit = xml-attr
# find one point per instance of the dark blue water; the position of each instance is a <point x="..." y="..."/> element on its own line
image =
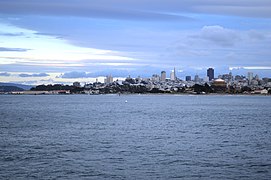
<point x="149" y="137"/>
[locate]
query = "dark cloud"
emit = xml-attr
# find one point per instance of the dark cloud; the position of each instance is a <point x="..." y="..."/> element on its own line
<point x="12" y="34"/>
<point x="256" y="35"/>
<point x="4" y="74"/>
<point x="95" y="9"/>
<point x="75" y="74"/>
<point x="137" y="9"/>
<point x="57" y="36"/>
<point x="34" y="75"/>
<point x="145" y="71"/>
<point x="218" y="35"/>
<point x="13" y="49"/>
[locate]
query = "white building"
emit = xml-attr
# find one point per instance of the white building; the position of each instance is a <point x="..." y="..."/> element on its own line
<point x="173" y="75"/>
<point x="108" y="79"/>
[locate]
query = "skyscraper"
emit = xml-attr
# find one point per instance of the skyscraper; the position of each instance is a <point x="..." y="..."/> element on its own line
<point x="188" y="78"/>
<point x="249" y="77"/>
<point x="210" y="74"/>
<point x="173" y="75"/>
<point x="108" y="79"/>
<point x="163" y="76"/>
<point x="196" y="79"/>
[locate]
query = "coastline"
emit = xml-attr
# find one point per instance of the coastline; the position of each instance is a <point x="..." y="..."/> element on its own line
<point x="138" y="94"/>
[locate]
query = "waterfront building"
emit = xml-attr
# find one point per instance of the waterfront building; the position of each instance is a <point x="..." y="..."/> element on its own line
<point x="188" y="78"/>
<point x="219" y="85"/>
<point x="163" y="76"/>
<point x="211" y="73"/>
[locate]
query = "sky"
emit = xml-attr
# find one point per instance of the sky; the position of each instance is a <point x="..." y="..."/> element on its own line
<point x="62" y="41"/>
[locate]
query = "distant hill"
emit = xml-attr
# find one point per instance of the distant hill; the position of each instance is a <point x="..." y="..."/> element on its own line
<point x="22" y="86"/>
<point x="10" y="88"/>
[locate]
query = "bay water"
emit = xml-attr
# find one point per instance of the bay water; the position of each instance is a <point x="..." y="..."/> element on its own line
<point x="135" y="137"/>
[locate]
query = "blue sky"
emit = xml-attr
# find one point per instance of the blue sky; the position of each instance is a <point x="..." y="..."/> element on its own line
<point x="62" y="41"/>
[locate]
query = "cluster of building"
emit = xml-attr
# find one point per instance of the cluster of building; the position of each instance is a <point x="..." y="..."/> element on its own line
<point x="223" y="83"/>
<point x="228" y="79"/>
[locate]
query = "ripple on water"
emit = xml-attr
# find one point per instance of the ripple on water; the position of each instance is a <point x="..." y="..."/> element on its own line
<point x="150" y="137"/>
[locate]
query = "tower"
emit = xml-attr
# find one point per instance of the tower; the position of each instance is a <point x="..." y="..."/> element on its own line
<point x="163" y="76"/>
<point x="249" y="77"/>
<point x="210" y="74"/>
<point x="108" y="79"/>
<point x="173" y="75"/>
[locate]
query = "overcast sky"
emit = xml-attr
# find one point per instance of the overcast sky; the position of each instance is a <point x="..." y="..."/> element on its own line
<point x="62" y="41"/>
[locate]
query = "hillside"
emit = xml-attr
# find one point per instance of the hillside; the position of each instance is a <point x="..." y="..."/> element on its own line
<point x="22" y="86"/>
<point x="10" y="88"/>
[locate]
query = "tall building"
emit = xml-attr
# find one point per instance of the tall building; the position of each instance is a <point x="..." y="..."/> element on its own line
<point x="187" y="78"/>
<point x="249" y="77"/>
<point x="108" y="79"/>
<point x="173" y="75"/>
<point x="211" y="73"/>
<point x="155" y="78"/>
<point x="197" y="79"/>
<point x="163" y="76"/>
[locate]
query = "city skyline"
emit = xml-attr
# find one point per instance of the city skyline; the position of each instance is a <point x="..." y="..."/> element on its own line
<point x="67" y="41"/>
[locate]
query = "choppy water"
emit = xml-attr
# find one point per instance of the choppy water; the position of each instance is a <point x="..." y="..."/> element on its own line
<point x="149" y="137"/>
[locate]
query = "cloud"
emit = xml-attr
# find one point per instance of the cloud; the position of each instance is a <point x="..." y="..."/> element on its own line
<point x="218" y="35"/>
<point x="145" y="71"/>
<point x="254" y="35"/>
<point x="106" y="9"/>
<point x="258" y="67"/>
<point x="4" y="74"/>
<point x="216" y="40"/>
<point x="57" y="36"/>
<point x="34" y="75"/>
<point x="75" y="74"/>
<point x="137" y="9"/>
<point x="13" y="49"/>
<point x="12" y="34"/>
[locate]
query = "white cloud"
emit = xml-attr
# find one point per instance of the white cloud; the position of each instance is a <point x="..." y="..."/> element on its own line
<point x="218" y="35"/>
<point x="49" y="51"/>
<point x="258" y="67"/>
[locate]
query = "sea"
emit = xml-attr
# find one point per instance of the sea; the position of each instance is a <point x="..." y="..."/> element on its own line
<point x="135" y="137"/>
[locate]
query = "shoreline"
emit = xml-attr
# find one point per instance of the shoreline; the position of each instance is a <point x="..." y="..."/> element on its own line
<point x="139" y="94"/>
